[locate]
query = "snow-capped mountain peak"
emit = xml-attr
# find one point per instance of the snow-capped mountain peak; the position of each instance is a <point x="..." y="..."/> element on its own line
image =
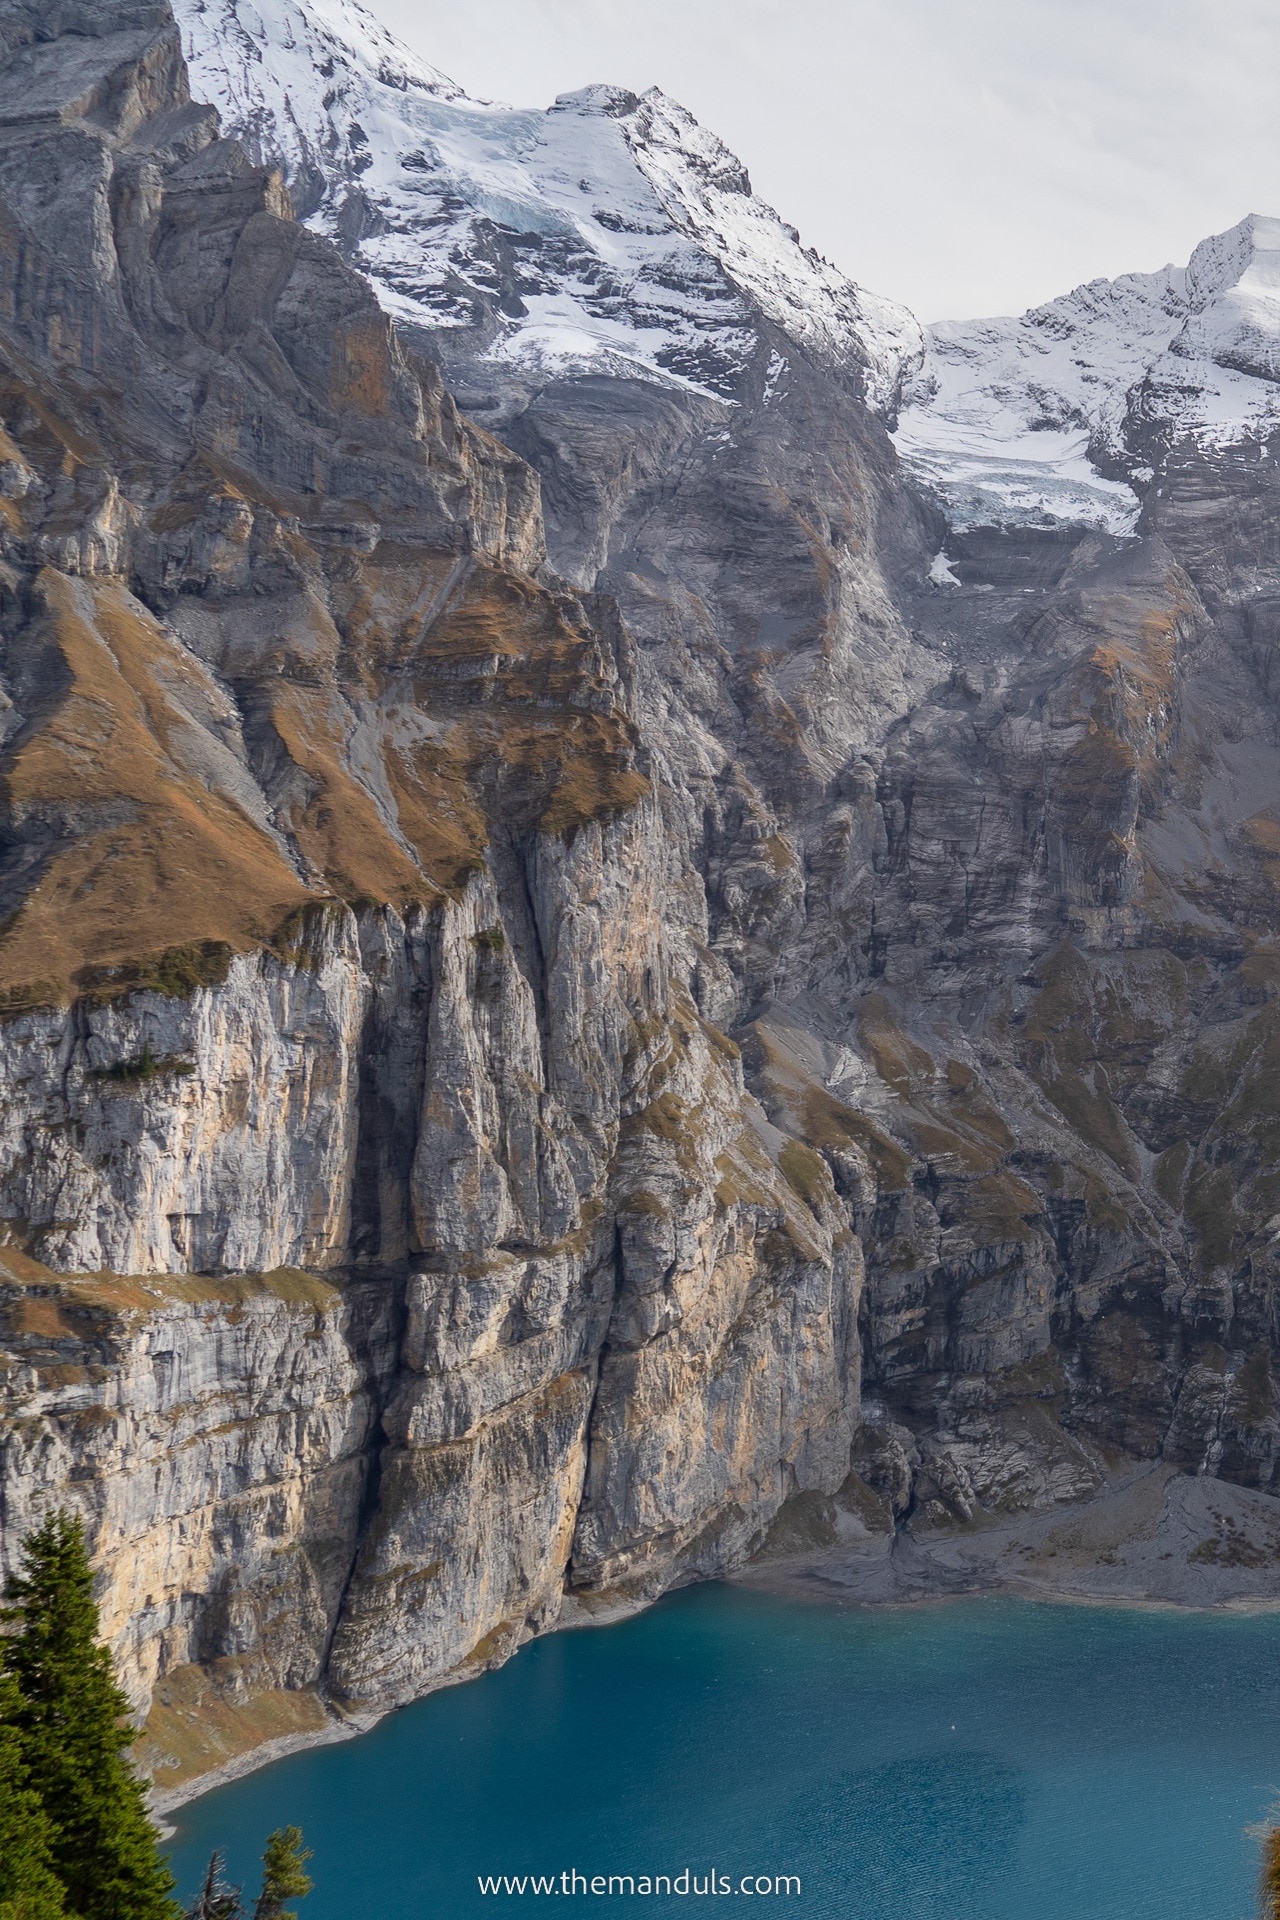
<point x="1245" y="258"/>
<point x="610" y="233"/>
<point x="1054" y="415"/>
<point x="705" y="189"/>
<point x="1233" y="291"/>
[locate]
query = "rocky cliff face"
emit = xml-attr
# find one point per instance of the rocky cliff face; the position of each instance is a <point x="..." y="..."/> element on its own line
<point x="338" y="951"/>
<point x="548" y="968"/>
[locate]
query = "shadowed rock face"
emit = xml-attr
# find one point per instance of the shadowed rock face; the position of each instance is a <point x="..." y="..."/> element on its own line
<point x="530" y="923"/>
<point x="990" y="882"/>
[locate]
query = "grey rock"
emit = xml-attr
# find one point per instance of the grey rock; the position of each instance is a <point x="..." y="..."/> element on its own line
<point x="536" y="973"/>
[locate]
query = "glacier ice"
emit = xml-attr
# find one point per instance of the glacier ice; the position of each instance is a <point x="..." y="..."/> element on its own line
<point x="612" y="234"/>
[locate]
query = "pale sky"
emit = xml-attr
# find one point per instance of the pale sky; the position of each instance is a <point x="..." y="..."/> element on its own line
<point x="965" y="156"/>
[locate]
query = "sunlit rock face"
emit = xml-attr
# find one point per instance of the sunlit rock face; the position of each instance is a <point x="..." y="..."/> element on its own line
<point x="349" y="965"/>
<point x="585" y="993"/>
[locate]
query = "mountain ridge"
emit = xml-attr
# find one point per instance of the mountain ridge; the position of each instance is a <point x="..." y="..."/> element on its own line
<point x="1044" y="418"/>
<point x="1057" y="414"/>
<point x="767" y="1028"/>
<point x="425" y="240"/>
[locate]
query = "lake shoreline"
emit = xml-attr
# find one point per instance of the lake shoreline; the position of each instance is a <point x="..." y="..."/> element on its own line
<point x="988" y="1758"/>
<point x="1133" y="1546"/>
<point x="1153" y="1536"/>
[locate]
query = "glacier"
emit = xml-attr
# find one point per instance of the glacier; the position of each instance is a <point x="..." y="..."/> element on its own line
<point x="1048" y="418"/>
<point x="633" y="232"/>
<point x="637" y="249"/>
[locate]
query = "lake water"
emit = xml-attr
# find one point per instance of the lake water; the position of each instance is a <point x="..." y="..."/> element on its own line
<point x="978" y="1760"/>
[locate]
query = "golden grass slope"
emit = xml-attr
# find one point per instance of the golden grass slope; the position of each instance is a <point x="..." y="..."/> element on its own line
<point x="141" y="856"/>
<point x="394" y="747"/>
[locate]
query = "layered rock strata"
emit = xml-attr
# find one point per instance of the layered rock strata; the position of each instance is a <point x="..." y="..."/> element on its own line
<point x="575" y="1004"/>
<point x="339" y="970"/>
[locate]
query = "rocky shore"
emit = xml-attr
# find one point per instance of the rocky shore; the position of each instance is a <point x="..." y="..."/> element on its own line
<point x="1151" y="1536"/>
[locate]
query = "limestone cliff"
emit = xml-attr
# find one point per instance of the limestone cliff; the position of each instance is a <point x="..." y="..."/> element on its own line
<point x="339" y="969"/>
<point x="537" y="970"/>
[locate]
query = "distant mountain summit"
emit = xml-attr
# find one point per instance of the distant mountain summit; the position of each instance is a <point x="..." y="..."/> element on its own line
<point x="610" y="233"/>
<point x="1064" y="413"/>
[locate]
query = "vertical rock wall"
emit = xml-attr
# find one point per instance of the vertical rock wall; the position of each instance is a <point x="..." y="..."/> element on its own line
<point x="618" y="1333"/>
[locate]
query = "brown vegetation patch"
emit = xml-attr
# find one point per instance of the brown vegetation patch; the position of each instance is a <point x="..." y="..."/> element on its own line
<point x="1260" y="969"/>
<point x="828" y="1122"/>
<point x="34" y="1285"/>
<point x="1209" y="1205"/>
<point x="641" y="1201"/>
<point x="1101" y="1208"/>
<point x="803" y="1523"/>
<point x="898" y="1059"/>
<point x="524" y="729"/>
<point x="1232" y="1548"/>
<point x="495" y="705"/>
<point x="145" y="860"/>
<point x="673" y="1121"/>
<point x="176" y="973"/>
<point x="384" y="606"/>
<point x="999" y="1207"/>
<point x="806" y="1174"/>
<point x="338" y="826"/>
<point x="1069" y="1052"/>
<point x="40" y="1317"/>
<point x="492" y="1646"/>
<point x="360" y="367"/>
<point x="202" y="1717"/>
<point x="807" y="1108"/>
<point x="1235" y="1187"/>
<point x="1254" y="1388"/>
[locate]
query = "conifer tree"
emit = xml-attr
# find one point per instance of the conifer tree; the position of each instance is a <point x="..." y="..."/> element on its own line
<point x="72" y="1720"/>
<point x="29" y="1888"/>
<point x="216" y="1900"/>
<point x="284" y="1874"/>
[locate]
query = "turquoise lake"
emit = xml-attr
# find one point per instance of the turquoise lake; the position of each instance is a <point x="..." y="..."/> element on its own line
<point x="978" y="1760"/>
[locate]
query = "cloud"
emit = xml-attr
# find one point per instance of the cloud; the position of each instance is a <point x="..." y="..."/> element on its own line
<point x="967" y="156"/>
